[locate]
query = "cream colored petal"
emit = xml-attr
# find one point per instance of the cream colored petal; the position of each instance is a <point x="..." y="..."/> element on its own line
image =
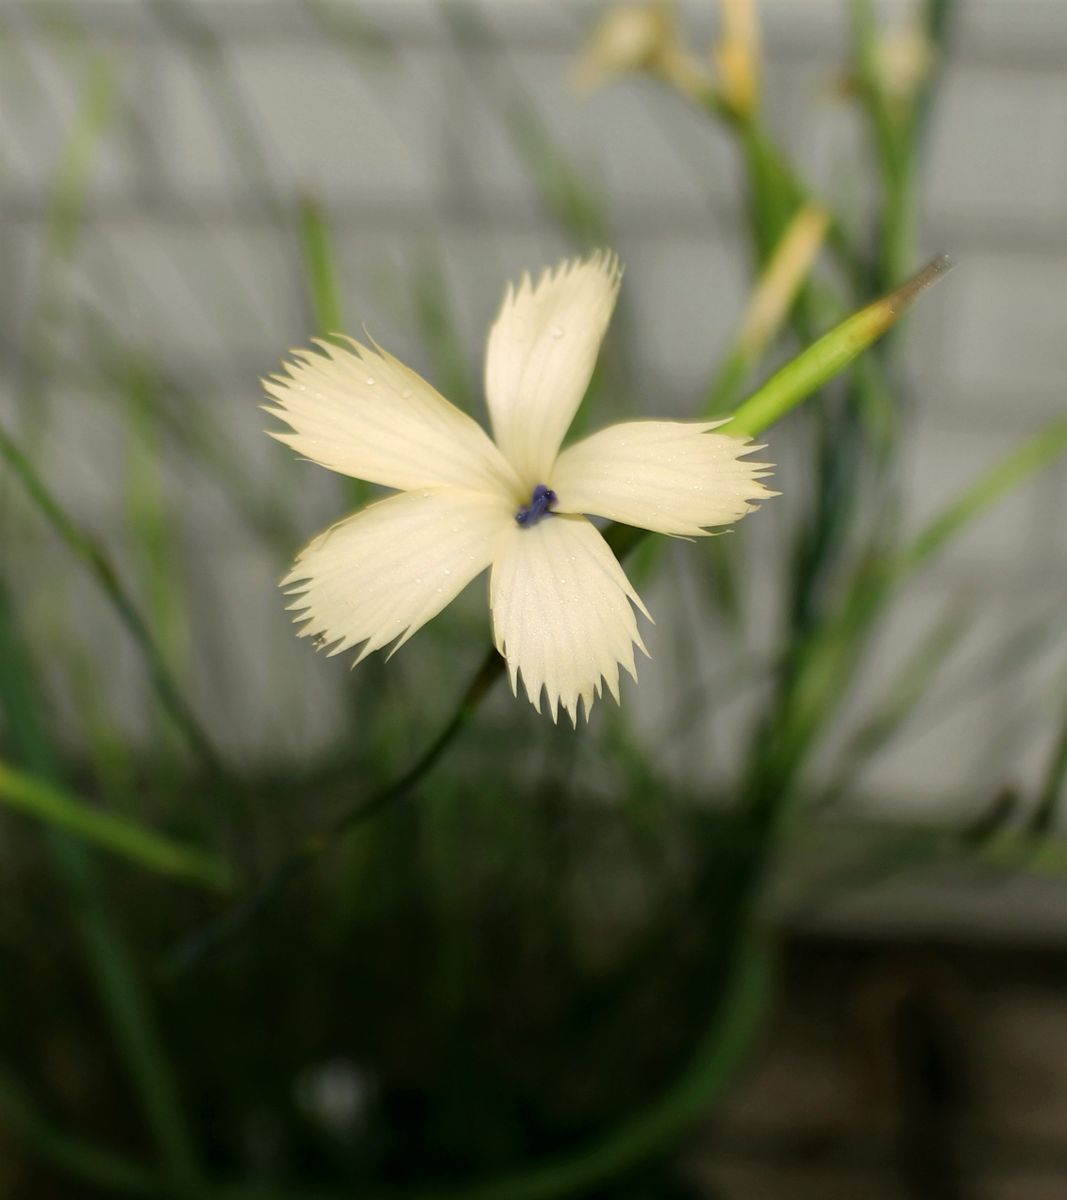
<point x="541" y="353"/>
<point x="362" y="412"/>
<point x="668" y="476"/>
<point x="383" y="573"/>
<point x="562" y="614"/>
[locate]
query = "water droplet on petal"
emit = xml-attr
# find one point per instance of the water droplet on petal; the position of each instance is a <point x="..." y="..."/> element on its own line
<point x="556" y="331"/>
<point x="425" y="495"/>
<point x="406" y="393"/>
<point x="370" y="380"/>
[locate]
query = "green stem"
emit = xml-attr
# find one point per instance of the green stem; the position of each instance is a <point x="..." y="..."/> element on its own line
<point x="898" y="230"/>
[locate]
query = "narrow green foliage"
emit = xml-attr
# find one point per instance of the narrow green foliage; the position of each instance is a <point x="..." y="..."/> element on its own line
<point x="729" y="385"/>
<point x="46" y="802"/>
<point x="194" y="948"/>
<point x="190" y="28"/>
<point x="1030" y="458"/>
<point x="72" y="1156"/>
<point x="571" y="202"/>
<point x="98" y="564"/>
<point x="576" y="208"/>
<point x="824" y="662"/>
<point x="775" y="192"/>
<point x="316" y="245"/>
<point x="849" y="854"/>
<point x="901" y="696"/>
<point x="153" y="531"/>
<point x="111" y="965"/>
<point x="75" y="167"/>
<point x="1050" y="801"/>
<point x="440" y="336"/>
<point x="65" y="221"/>
<point x="713" y="1066"/>
<point x="827" y="357"/>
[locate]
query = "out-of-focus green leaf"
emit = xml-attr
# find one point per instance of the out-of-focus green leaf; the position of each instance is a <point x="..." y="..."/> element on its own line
<point x="433" y="314"/>
<point x="78" y="1159"/>
<point x="99" y="565"/>
<point x="900" y="698"/>
<point x="75" y="165"/>
<point x="152" y="525"/>
<point x="1031" y="457"/>
<point x="1050" y="800"/>
<point x="56" y="807"/>
<point x="114" y="975"/>
<point x="316" y="244"/>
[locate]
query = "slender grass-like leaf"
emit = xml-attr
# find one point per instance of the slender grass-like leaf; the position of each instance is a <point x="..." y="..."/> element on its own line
<point x="153" y="532"/>
<point x="45" y="802"/>
<point x="898" y="702"/>
<point x="196" y="946"/>
<point x="70" y="1155"/>
<point x="130" y="1017"/>
<point x="929" y="845"/>
<point x="439" y="335"/>
<point x="1050" y="803"/>
<point x="1030" y="458"/>
<point x="826" y="660"/>
<point x="65" y="211"/>
<point x="98" y="563"/>
<point x="62" y="232"/>
<point x="784" y="274"/>
<point x="316" y="244"/>
<point x="828" y="356"/>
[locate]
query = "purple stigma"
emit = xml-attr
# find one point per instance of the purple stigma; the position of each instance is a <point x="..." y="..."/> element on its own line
<point x="539" y="506"/>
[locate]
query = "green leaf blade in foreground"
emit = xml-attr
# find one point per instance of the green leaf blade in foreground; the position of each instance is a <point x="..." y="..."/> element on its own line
<point x="37" y="798"/>
<point x="828" y="356"/>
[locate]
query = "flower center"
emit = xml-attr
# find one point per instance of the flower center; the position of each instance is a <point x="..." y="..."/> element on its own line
<point x="540" y="505"/>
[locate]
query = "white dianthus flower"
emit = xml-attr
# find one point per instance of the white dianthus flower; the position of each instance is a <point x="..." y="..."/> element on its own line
<point x="562" y="607"/>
